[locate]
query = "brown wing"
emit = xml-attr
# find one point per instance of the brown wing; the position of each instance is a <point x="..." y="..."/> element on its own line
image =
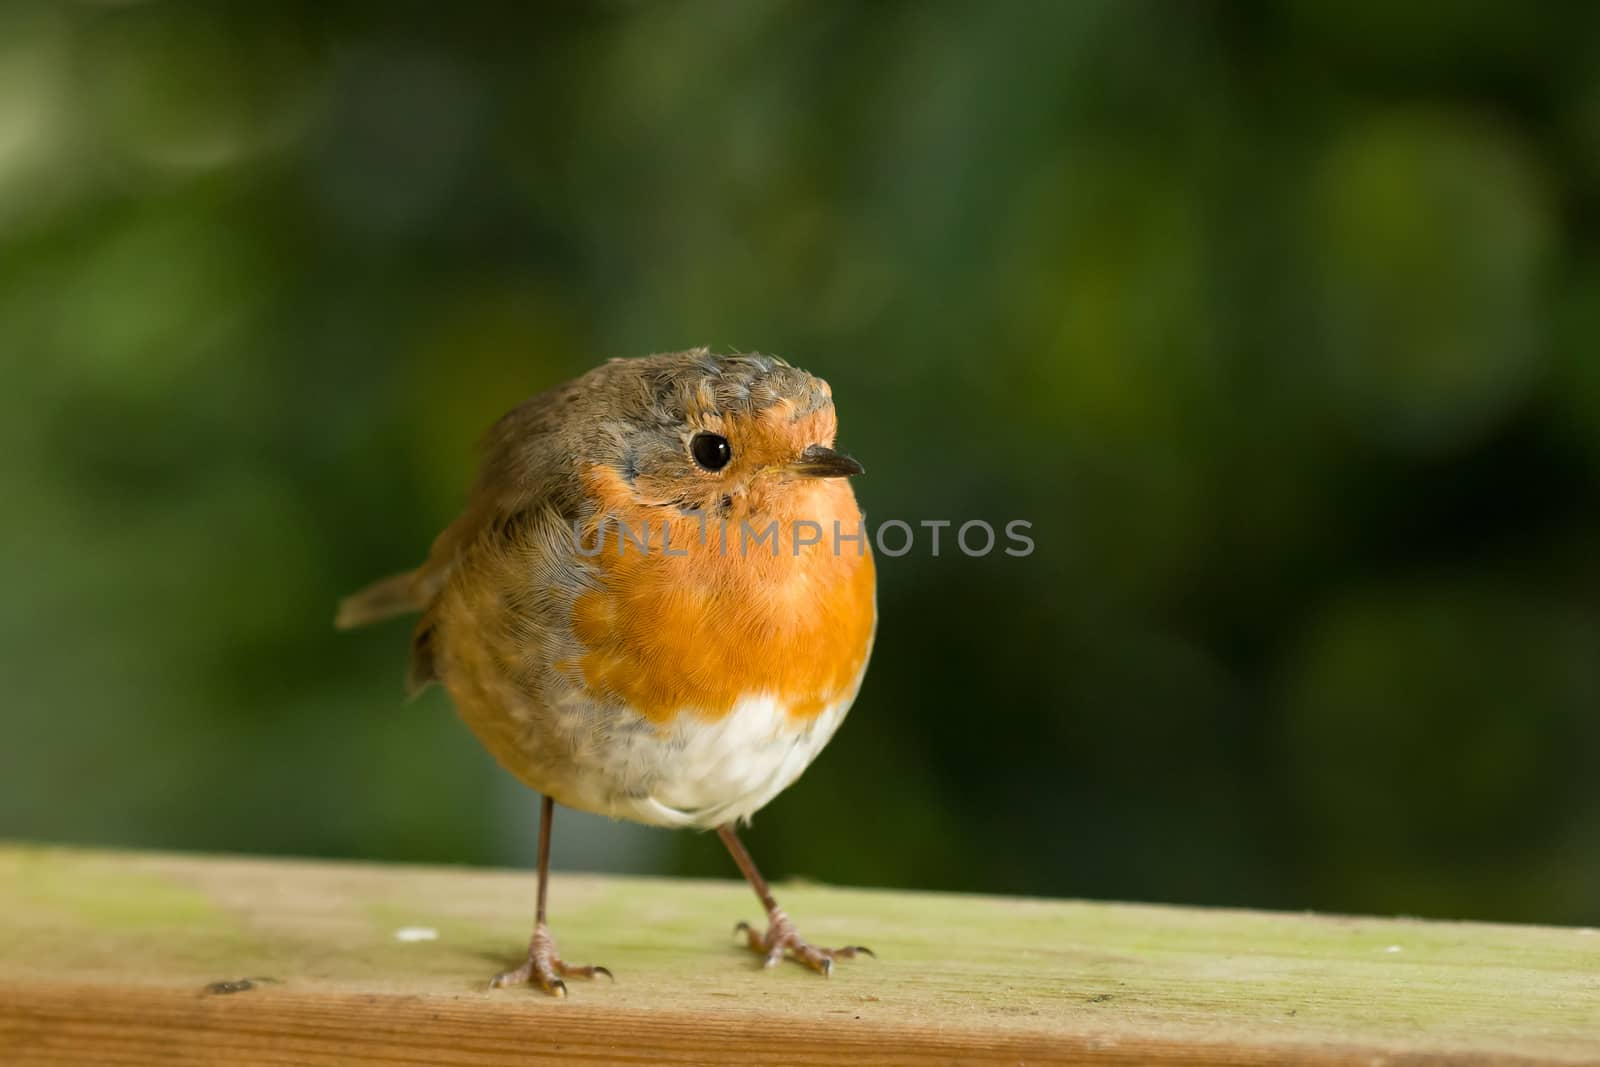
<point x="526" y="471"/>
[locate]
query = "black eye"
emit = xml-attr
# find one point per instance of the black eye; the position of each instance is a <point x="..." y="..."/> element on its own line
<point x="710" y="450"/>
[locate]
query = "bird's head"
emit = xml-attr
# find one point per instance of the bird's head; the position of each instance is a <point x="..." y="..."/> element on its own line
<point x="721" y="435"/>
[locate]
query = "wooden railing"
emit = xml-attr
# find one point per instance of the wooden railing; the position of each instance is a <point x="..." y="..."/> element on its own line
<point x="160" y="959"/>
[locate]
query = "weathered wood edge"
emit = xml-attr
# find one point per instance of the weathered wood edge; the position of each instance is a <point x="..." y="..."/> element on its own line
<point x="125" y="1015"/>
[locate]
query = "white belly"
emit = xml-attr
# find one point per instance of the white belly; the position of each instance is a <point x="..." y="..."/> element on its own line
<point x="695" y="771"/>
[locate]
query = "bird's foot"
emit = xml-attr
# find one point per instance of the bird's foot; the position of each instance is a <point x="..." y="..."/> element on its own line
<point x="783" y="940"/>
<point x="545" y="969"/>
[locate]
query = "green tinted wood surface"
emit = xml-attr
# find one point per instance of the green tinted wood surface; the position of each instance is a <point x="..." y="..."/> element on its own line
<point x="114" y="958"/>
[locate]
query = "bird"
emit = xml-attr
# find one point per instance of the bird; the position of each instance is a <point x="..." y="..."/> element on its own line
<point x="658" y="605"/>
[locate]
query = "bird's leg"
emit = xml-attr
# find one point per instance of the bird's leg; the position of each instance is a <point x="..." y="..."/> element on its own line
<point x="781" y="938"/>
<point x="544" y="968"/>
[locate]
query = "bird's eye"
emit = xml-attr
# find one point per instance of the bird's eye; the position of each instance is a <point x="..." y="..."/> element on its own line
<point x="710" y="450"/>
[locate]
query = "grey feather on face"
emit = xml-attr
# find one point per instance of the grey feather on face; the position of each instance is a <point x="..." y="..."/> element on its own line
<point x="692" y="385"/>
<point x="638" y="417"/>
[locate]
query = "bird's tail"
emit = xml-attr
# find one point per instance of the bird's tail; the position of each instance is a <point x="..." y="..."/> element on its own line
<point x="397" y="594"/>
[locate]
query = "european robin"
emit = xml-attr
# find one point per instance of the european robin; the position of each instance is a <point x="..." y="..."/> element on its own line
<point x="658" y="605"/>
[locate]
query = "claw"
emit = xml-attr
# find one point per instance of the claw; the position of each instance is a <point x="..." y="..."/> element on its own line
<point x="545" y="969"/>
<point x="567" y="970"/>
<point x="782" y="941"/>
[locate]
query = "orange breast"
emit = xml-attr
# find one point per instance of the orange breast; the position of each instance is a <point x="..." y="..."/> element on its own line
<point x="669" y="633"/>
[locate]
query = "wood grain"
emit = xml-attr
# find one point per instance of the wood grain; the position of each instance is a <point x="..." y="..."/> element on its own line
<point x="117" y="958"/>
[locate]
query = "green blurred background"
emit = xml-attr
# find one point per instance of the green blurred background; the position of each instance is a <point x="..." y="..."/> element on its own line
<point x="1278" y="321"/>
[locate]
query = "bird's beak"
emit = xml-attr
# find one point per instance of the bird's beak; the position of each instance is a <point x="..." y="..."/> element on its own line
<point x="820" y="462"/>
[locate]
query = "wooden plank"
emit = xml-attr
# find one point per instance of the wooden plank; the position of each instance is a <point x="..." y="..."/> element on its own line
<point x="112" y="958"/>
